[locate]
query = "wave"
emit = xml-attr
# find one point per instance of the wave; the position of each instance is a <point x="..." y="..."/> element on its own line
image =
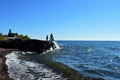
<point x="102" y="73"/>
<point x="56" y="47"/>
<point x="29" y="70"/>
<point x="114" y="48"/>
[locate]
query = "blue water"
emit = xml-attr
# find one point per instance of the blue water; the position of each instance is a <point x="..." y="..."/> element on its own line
<point x="98" y="59"/>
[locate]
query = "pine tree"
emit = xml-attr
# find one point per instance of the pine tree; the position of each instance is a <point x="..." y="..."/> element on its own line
<point x="10" y="33"/>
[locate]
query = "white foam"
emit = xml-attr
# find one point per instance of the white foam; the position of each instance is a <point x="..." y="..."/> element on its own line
<point x="89" y="50"/>
<point x="19" y="69"/>
<point x="51" y="49"/>
<point x="56" y="45"/>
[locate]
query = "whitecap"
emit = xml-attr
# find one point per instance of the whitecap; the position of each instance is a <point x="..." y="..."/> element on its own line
<point x="19" y="69"/>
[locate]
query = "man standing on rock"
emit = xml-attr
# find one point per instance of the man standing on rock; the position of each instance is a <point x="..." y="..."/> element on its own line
<point x="51" y="37"/>
<point x="47" y="38"/>
<point x="51" y="41"/>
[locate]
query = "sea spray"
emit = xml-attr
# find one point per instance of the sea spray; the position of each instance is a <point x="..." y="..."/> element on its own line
<point x="56" y="45"/>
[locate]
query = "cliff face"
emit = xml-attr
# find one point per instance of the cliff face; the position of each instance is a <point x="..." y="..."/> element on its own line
<point x="27" y="45"/>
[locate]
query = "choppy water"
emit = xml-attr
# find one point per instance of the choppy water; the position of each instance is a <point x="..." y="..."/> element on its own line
<point x="98" y="59"/>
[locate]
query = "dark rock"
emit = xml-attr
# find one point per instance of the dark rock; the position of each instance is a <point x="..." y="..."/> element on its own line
<point x="27" y="45"/>
<point x="4" y="69"/>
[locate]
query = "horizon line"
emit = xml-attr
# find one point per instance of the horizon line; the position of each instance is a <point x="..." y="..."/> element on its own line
<point x="80" y="39"/>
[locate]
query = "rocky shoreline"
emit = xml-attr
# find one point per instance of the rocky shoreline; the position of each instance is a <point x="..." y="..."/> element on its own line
<point x="31" y="45"/>
<point x="29" y="67"/>
<point x="3" y="67"/>
<point x="6" y="47"/>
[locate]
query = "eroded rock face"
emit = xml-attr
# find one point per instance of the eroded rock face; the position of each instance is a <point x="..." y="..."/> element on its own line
<point x="34" y="46"/>
<point x="27" y="45"/>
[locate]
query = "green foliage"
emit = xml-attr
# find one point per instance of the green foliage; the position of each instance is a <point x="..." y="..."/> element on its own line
<point x="10" y="34"/>
<point x="0" y="34"/>
<point x="24" y="37"/>
<point x="1" y="37"/>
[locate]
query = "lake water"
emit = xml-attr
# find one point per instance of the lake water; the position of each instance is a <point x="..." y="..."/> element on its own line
<point x="97" y="59"/>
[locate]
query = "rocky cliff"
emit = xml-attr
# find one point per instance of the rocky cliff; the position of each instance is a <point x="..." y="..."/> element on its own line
<point x="27" y="45"/>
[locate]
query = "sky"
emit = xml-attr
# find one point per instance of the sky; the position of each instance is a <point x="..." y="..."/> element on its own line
<point x="66" y="19"/>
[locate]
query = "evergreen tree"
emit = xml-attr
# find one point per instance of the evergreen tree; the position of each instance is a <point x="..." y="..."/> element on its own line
<point x="1" y="34"/>
<point x="10" y="33"/>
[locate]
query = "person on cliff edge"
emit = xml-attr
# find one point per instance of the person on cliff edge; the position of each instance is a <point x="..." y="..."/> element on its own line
<point x="47" y="38"/>
<point x="51" y="37"/>
<point x="51" y="41"/>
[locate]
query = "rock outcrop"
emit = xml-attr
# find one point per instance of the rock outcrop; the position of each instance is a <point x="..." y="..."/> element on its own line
<point x="31" y="45"/>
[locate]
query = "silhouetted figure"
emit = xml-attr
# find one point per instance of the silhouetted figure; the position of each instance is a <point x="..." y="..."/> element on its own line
<point x="47" y="38"/>
<point x="51" y="41"/>
<point x="51" y="37"/>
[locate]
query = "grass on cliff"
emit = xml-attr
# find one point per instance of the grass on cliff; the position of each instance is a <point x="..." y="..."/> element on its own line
<point x="2" y="38"/>
<point x="67" y="72"/>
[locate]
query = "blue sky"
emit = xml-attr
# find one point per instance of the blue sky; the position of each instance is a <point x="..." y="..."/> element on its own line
<point x="66" y="19"/>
